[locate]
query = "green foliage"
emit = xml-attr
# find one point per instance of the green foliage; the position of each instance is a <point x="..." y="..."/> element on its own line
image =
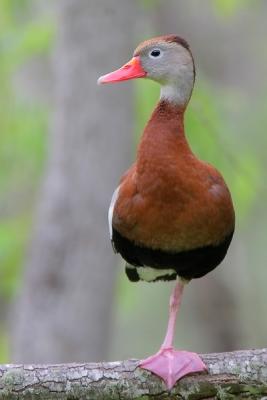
<point x="3" y="345"/>
<point x="215" y="139"/>
<point x="22" y="140"/>
<point x="148" y="4"/>
<point x="146" y="95"/>
<point x="22" y="147"/>
<point x="228" y="8"/>
<point x="13" y="234"/>
<point x="35" y="38"/>
<point x="224" y="8"/>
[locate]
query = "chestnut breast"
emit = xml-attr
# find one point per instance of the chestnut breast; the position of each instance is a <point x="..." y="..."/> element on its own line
<point x="169" y="199"/>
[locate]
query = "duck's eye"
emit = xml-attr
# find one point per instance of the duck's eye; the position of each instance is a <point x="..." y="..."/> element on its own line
<point x="155" y="53"/>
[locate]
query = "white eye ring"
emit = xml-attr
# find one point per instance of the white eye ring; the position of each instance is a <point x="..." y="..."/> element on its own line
<point x="155" y="53"/>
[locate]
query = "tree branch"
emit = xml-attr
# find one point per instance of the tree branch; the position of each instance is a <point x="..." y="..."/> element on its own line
<point x="235" y="375"/>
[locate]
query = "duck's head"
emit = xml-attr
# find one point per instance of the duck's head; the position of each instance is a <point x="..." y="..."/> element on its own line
<point x="164" y="59"/>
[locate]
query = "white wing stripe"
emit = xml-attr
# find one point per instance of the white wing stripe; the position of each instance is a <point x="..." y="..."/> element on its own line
<point x="110" y="210"/>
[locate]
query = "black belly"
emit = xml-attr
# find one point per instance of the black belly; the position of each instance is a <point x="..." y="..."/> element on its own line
<point x="188" y="264"/>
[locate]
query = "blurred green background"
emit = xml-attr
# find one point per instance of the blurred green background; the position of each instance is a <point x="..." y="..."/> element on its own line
<point x="225" y="124"/>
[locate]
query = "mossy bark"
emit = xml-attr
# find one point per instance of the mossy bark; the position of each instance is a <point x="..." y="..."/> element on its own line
<point x="235" y="375"/>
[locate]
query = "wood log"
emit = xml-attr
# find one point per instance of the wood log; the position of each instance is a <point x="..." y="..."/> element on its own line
<point x="234" y="375"/>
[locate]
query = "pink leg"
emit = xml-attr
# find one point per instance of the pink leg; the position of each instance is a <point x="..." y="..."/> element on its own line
<point x="168" y="363"/>
<point x="175" y="302"/>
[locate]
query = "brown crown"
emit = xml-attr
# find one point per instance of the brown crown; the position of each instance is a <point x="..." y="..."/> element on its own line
<point x="165" y="38"/>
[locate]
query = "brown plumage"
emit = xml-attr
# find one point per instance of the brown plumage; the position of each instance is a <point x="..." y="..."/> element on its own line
<point x="172" y="211"/>
<point x="169" y="199"/>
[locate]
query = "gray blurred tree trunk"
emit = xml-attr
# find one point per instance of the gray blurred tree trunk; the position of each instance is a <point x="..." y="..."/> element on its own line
<point x="65" y="307"/>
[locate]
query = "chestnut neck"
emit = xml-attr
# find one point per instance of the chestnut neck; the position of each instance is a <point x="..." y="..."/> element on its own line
<point x="166" y="120"/>
<point x="164" y="135"/>
<point x="169" y="112"/>
<point x="163" y="151"/>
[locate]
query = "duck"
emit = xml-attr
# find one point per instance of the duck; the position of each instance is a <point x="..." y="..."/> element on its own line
<point x="171" y="218"/>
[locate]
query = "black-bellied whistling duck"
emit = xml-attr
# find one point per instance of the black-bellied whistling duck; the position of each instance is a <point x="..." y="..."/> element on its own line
<point x="172" y="214"/>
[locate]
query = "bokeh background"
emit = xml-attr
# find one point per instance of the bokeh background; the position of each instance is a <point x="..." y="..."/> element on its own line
<point x="64" y="143"/>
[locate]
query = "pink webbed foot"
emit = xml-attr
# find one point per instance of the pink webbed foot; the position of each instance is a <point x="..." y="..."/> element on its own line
<point x="171" y="365"/>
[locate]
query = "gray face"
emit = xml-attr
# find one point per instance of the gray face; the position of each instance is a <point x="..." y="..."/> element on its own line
<point x="167" y="62"/>
<point x="171" y="65"/>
